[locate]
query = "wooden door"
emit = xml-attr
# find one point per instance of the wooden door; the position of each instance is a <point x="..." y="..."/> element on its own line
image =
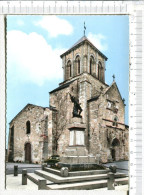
<point x="28" y="152"/>
<point x="113" y="154"/>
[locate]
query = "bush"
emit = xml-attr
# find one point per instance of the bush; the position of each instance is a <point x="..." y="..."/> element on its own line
<point x="51" y="161"/>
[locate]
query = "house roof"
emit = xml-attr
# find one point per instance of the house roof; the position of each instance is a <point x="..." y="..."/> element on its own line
<point x="62" y="86"/>
<point x="79" y="42"/>
<point x="25" y="108"/>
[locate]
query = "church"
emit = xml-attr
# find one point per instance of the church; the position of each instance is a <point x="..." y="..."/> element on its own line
<point x="84" y="112"/>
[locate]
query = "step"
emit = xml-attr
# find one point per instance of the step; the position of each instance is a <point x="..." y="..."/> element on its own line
<point x="33" y="177"/>
<point x="89" y="172"/>
<point x="89" y="185"/>
<point x="58" y="179"/>
<point x="54" y="171"/>
<point x="77" y="173"/>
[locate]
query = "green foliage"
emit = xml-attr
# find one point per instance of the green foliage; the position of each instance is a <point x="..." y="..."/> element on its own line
<point x="51" y="161"/>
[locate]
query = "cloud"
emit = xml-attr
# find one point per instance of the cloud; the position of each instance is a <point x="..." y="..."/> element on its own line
<point x="55" y="26"/>
<point x="99" y="41"/>
<point x="31" y="58"/>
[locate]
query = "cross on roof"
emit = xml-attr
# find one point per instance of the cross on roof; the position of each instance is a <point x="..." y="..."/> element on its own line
<point x="113" y="77"/>
<point x="84" y="28"/>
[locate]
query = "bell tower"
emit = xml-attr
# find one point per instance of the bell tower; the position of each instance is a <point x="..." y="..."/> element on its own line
<point x="83" y="57"/>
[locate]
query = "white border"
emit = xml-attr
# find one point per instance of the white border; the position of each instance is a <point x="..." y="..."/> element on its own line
<point x="69" y="7"/>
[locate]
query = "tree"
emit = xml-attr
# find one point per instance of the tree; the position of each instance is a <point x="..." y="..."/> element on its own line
<point x="60" y="119"/>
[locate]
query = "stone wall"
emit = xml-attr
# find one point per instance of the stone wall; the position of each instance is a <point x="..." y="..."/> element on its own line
<point x="93" y="97"/>
<point x="102" y="131"/>
<point x="85" y="51"/>
<point x="38" y="126"/>
<point x="62" y="102"/>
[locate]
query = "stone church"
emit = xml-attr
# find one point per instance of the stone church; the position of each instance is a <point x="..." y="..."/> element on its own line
<point x="99" y="128"/>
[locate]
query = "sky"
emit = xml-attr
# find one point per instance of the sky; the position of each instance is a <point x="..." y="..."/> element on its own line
<point x="34" y="46"/>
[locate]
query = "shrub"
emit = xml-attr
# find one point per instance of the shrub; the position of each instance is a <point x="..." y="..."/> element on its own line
<point x="51" y="161"/>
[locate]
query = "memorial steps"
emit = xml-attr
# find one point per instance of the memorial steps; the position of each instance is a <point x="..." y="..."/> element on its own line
<point x="81" y="180"/>
<point x="35" y="178"/>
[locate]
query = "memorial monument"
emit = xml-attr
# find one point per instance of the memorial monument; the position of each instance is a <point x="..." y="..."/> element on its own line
<point x="85" y="120"/>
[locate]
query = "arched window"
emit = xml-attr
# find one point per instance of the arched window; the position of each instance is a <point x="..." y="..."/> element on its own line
<point x="78" y="64"/>
<point x="28" y="128"/>
<point x="91" y="65"/>
<point x="100" y="76"/>
<point x="69" y="67"/>
<point x="70" y="74"/>
<point x="115" y="121"/>
<point x="115" y="142"/>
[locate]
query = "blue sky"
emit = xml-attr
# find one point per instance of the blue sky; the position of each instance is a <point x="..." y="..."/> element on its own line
<point x="34" y="45"/>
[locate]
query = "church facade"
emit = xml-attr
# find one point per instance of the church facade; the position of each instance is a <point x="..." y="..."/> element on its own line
<point x="38" y="132"/>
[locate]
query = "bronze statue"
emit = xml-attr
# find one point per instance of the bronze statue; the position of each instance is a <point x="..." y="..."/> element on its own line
<point x="77" y="108"/>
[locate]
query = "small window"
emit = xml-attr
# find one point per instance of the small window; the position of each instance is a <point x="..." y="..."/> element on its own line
<point x="115" y="122"/>
<point x="70" y="70"/>
<point x="100" y="71"/>
<point x="69" y="67"/>
<point x="78" y="64"/>
<point x="28" y="127"/>
<point x="91" y="65"/>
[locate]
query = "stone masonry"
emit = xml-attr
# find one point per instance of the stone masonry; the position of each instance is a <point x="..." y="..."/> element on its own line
<point x="103" y="109"/>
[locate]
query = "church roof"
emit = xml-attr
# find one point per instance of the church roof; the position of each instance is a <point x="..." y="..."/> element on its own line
<point x="62" y="87"/>
<point x="113" y="83"/>
<point x="25" y="108"/>
<point x="79" y="42"/>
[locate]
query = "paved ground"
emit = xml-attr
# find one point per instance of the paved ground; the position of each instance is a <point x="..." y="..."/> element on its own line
<point x="30" y="167"/>
<point x="122" y="166"/>
<point x="14" y="182"/>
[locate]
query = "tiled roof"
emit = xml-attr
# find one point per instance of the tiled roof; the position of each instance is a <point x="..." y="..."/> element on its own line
<point x="81" y="40"/>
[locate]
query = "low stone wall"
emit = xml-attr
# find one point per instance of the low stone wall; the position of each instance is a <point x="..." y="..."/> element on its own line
<point x="82" y="166"/>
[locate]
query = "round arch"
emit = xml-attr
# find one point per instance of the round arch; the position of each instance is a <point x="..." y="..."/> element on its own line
<point x="115" y="142"/>
<point x="91" y="64"/>
<point x="28" y="127"/>
<point x="100" y="71"/>
<point x="115" y="121"/>
<point x="69" y="68"/>
<point x="78" y="64"/>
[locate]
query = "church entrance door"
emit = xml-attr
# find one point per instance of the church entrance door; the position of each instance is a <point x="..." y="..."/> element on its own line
<point x="113" y="154"/>
<point x="115" y="149"/>
<point x="28" y="152"/>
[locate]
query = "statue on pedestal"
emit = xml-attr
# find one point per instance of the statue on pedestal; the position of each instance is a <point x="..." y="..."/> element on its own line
<point x="77" y="108"/>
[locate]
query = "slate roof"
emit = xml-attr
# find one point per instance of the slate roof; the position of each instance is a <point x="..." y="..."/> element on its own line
<point x="80" y="41"/>
<point x="62" y="87"/>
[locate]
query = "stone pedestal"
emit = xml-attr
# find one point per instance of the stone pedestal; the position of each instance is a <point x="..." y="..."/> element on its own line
<point x="76" y="153"/>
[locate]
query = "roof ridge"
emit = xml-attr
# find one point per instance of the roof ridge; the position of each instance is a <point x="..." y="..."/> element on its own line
<point x="83" y="38"/>
<point x="28" y="104"/>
